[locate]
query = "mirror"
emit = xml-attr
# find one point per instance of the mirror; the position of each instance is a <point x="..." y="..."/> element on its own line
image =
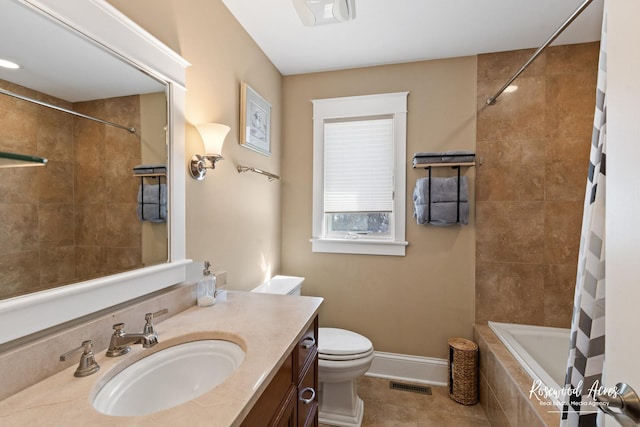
<point x="79" y="216"/>
<point x="123" y="75"/>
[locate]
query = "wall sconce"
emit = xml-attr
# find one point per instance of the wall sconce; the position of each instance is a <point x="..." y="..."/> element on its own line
<point x="213" y="135"/>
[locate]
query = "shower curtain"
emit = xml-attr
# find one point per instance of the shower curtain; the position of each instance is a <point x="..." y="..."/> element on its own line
<point x="586" y="354"/>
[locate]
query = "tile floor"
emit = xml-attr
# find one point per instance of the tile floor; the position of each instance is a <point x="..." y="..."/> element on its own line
<point x="384" y="407"/>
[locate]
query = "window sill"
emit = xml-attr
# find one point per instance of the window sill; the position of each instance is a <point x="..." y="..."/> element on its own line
<point x="362" y="247"/>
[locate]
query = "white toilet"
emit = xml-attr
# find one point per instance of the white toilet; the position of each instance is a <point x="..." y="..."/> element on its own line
<point x="343" y="356"/>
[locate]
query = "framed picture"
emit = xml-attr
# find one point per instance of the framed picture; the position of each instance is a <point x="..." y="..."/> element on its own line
<point x="255" y="121"/>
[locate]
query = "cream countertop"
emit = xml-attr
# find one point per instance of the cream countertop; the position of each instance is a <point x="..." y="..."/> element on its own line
<point x="266" y="326"/>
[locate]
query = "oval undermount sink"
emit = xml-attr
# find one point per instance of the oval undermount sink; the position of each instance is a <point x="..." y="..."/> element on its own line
<point x="169" y="377"/>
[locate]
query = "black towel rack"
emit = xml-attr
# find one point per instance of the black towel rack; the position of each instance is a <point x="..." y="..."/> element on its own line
<point x="458" y="167"/>
<point x="440" y="164"/>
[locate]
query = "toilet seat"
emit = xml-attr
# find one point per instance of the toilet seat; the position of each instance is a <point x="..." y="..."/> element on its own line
<point x="340" y="344"/>
<point x="345" y="356"/>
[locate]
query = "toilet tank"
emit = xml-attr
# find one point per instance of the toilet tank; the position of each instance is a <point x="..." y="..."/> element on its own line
<point x="283" y="285"/>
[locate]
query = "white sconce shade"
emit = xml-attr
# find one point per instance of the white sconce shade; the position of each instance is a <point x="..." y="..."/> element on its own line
<point x="213" y="135"/>
<point x="318" y="12"/>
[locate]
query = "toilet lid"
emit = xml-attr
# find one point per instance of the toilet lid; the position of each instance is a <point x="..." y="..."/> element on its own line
<point x="333" y="341"/>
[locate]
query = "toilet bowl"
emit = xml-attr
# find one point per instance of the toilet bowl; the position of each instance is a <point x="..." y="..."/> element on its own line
<point x="343" y="356"/>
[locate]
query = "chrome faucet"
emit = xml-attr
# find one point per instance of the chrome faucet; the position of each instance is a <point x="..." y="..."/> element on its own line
<point x="87" y="365"/>
<point x="121" y="341"/>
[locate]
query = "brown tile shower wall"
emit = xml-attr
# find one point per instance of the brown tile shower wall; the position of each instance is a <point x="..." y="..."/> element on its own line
<point x="44" y="235"/>
<point x="36" y="204"/>
<point x="530" y="188"/>
<point x="107" y="230"/>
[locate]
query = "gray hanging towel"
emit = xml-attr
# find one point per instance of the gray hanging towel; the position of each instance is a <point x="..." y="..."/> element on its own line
<point x="152" y="202"/>
<point x="440" y="203"/>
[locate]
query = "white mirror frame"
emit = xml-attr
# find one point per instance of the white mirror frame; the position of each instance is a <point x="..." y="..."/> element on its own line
<point x="98" y="20"/>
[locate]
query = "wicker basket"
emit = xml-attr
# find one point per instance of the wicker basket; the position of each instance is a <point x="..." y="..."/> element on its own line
<point x="463" y="371"/>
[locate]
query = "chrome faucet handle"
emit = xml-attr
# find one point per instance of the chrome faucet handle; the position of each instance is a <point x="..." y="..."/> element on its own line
<point x="118" y="329"/>
<point x="148" y="327"/>
<point x="88" y="364"/>
<point x="115" y="348"/>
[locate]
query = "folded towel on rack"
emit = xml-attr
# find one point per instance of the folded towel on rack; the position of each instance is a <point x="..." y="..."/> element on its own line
<point x="459" y="156"/>
<point x="443" y="213"/>
<point x="442" y="190"/>
<point x="152" y="212"/>
<point x="152" y="194"/>
<point x="147" y="169"/>
<point x="456" y="156"/>
<point x="424" y="158"/>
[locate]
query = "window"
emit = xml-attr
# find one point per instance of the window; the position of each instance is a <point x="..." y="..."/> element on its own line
<point x="359" y="174"/>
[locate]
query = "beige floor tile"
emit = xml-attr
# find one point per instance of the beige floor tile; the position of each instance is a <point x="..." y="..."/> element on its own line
<point x="385" y="407"/>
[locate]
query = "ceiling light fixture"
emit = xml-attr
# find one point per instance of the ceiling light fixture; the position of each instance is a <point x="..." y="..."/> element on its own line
<point x="5" y="63"/>
<point x="319" y="12"/>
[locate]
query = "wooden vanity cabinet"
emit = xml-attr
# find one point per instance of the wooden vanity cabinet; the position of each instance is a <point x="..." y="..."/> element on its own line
<point x="291" y="399"/>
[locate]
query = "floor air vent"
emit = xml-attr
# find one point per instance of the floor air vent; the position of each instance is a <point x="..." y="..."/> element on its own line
<point x="410" y="387"/>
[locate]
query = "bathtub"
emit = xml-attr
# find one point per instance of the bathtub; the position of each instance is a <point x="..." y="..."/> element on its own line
<point x="542" y="351"/>
<point x="513" y="359"/>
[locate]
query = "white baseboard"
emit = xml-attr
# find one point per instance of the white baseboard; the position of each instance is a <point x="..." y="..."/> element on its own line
<point x="415" y="369"/>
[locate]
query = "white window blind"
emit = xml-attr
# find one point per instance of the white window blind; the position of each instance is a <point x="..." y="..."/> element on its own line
<point x="358" y="165"/>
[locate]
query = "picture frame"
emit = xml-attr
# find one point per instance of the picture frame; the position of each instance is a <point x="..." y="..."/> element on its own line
<point x="255" y="121"/>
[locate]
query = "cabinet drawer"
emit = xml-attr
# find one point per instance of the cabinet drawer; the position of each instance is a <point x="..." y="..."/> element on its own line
<point x="308" y="396"/>
<point x="307" y="347"/>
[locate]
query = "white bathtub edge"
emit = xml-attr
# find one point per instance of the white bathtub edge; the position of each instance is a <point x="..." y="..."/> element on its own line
<point x="533" y="368"/>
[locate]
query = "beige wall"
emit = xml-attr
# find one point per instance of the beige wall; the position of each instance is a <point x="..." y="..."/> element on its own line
<point x="233" y="219"/>
<point x="530" y="189"/>
<point x="411" y="304"/>
<point x="408" y="304"/>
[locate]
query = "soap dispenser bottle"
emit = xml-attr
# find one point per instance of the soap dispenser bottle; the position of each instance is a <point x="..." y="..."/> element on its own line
<point x="206" y="287"/>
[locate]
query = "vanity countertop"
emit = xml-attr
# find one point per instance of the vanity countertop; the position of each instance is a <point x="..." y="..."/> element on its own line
<point x="266" y="326"/>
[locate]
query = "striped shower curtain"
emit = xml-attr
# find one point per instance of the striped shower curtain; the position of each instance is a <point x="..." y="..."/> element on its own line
<point x="586" y="354"/>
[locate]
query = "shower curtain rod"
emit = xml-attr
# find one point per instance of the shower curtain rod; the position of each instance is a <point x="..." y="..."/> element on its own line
<point x="583" y="6"/>
<point x="64" y="110"/>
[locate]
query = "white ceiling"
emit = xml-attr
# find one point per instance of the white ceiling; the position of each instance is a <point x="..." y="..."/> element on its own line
<point x="395" y="31"/>
<point x="56" y="62"/>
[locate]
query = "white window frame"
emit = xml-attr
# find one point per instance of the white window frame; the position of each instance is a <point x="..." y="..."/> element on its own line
<point x="387" y="104"/>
